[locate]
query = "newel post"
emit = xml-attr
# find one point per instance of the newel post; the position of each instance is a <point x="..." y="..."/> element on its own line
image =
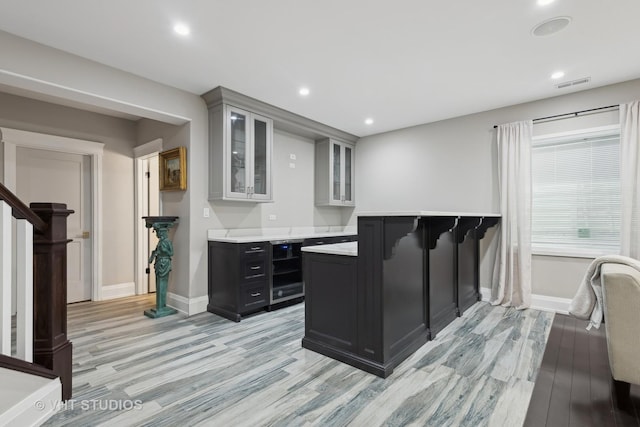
<point x="51" y="348"/>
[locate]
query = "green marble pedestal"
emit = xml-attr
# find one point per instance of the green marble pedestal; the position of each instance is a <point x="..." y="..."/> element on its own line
<point x="162" y="255"/>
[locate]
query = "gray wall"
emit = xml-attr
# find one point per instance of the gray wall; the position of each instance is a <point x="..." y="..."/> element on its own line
<point x="451" y="166"/>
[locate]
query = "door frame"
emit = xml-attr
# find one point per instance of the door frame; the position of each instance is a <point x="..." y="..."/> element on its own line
<point x="141" y="153"/>
<point x="13" y="138"/>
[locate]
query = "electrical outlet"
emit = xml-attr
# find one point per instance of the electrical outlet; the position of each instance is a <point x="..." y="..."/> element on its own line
<point x="206" y="213"/>
<point x="292" y="165"/>
<point x="272" y="217"/>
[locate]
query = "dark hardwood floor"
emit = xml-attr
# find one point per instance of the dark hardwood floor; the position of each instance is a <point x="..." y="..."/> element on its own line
<point x="574" y="386"/>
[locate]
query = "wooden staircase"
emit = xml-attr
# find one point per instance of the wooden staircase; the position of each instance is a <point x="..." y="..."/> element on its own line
<point x="35" y="378"/>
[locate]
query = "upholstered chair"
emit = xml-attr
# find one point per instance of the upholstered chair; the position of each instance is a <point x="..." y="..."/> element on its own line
<point x="621" y="297"/>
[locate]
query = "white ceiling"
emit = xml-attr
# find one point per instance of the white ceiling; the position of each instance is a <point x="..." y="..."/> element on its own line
<point x="402" y="62"/>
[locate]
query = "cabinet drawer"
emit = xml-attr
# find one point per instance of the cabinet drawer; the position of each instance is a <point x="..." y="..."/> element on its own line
<point x="254" y="267"/>
<point x="255" y="248"/>
<point x="317" y="241"/>
<point x="253" y="295"/>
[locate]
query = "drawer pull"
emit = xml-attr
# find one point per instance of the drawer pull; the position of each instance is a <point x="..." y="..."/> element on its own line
<point x="256" y="248"/>
<point x="319" y="243"/>
<point x="255" y="267"/>
<point x="256" y="294"/>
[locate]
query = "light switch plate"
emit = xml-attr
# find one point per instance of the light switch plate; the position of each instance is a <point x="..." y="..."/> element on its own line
<point x="292" y="156"/>
<point x="292" y="165"/>
<point x="272" y="217"/>
<point x="206" y="213"/>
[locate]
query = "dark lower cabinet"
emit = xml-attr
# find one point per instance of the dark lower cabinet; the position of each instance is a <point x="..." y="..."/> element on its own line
<point x="247" y="277"/>
<point x="238" y="280"/>
<point x="330" y="282"/>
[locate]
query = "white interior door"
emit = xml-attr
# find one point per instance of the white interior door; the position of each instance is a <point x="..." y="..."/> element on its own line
<point x="49" y="176"/>
<point x="151" y="206"/>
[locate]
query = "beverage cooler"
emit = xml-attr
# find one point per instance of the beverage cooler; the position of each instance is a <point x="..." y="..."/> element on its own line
<point x="286" y="271"/>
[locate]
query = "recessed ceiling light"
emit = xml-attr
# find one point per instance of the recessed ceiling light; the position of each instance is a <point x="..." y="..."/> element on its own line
<point x="557" y="75"/>
<point x="551" y="26"/>
<point x="545" y="2"/>
<point x="181" y="29"/>
<point x="304" y="91"/>
<point x="368" y="121"/>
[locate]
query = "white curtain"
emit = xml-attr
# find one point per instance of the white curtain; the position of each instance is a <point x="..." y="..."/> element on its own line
<point x="630" y="179"/>
<point x="512" y="270"/>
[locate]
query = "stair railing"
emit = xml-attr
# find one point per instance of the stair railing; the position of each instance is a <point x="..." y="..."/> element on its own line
<point x="41" y="287"/>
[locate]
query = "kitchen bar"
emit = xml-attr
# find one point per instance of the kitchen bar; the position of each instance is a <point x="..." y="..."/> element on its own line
<point x="411" y="274"/>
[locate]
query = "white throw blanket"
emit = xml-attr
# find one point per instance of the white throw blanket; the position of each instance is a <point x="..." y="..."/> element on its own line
<point x="587" y="304"/>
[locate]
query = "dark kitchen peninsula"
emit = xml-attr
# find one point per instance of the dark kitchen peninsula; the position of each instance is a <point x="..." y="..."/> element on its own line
<point x="373" y="303"/>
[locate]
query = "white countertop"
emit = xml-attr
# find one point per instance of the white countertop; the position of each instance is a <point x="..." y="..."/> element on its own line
<point x="347" y="248"/>
<point x="425" y="213"/>
<point x="275" y="234"/>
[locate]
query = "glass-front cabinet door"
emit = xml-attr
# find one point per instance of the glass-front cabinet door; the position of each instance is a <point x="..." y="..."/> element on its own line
<point x="248" y="155"/>
<point x="261" y="177"/>
<point x="337" y="173"/>
<point x="341" y="174"/>
<point x="347" y="193"/>
<point x="238" y="153"/>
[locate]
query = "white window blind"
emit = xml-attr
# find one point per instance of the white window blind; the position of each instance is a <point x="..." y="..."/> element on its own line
<point x="576" y="193"/>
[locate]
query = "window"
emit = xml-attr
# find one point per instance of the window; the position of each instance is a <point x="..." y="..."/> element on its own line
<point x="576" y="193"/>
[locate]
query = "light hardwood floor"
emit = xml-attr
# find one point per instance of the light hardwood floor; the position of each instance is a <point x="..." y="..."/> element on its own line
<point x="205" y="370"/>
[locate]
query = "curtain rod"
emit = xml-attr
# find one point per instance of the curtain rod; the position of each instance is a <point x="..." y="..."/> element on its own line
<point x="574" y="114"/>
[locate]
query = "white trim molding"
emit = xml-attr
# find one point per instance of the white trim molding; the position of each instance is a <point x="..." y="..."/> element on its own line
<point x="118" y="290"/>
<point x="188" y="306"/>
<point x="569" y="135"/>
<point x="148" y="149"/>
<point x="539" y="302"/>
<point x="90" y="101"/>
<point x="141" y="153"/>
<point x="12" y="138"/>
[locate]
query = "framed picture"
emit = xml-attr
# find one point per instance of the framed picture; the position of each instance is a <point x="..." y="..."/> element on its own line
<point x="173" y="169"/>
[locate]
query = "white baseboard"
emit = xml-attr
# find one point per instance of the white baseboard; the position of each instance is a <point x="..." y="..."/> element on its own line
<point x="119" y="290"/>
<point x="539" y="302"/>
<point x="187" y="306"/>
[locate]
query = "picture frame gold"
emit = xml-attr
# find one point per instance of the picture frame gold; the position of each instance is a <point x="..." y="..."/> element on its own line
<point x="173" y="169"/>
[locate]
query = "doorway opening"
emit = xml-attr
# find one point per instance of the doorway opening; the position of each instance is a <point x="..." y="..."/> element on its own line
<point x="148" y="203"/>
<point x="65" y="170"/>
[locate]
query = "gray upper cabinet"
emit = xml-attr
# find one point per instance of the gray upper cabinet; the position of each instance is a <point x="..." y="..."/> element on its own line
<point x="241" y="147"/>
<point x="335" y="173"/>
